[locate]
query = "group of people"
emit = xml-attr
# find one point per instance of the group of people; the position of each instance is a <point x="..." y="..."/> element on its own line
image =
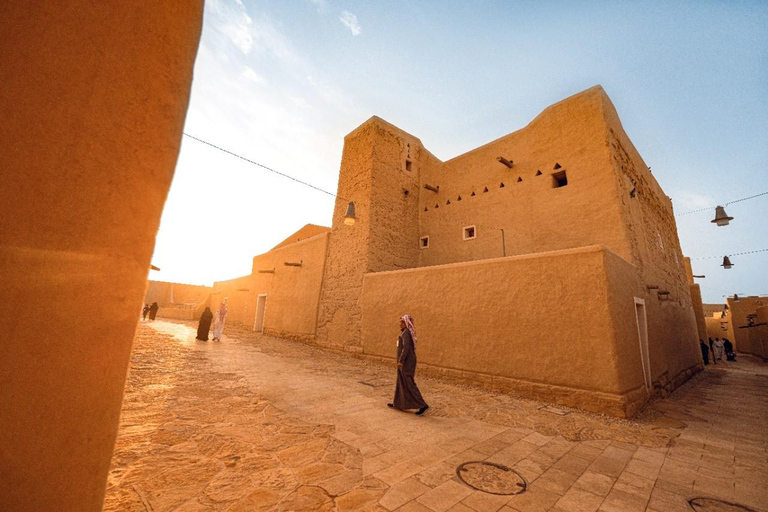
<point x="152" y="310"/>
<point x="717" y="348"/>
<point x="218" y="319"/>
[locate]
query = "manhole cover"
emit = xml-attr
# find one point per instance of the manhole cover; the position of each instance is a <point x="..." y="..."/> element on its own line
<point x="491" y="478"/>
<point x="713" y="505"/>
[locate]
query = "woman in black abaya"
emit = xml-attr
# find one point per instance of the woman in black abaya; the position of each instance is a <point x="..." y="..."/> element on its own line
<point x="205" y="325"/>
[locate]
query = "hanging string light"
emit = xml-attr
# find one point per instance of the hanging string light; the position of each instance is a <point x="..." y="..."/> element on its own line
<point x="726" y="204"/>
<point x="721" y="218"/>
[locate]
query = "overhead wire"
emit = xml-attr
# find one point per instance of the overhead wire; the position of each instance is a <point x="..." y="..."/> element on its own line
<point x="724" y="204"/>
<point x="730" y="255"/>
<point x="284" y="175"/>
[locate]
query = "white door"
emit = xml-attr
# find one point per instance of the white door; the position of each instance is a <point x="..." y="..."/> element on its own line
<point x="642" y="333"/>
<point x="261" y="307"/>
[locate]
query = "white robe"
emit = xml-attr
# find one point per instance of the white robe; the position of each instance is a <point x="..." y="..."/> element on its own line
<point x="718" y="345"/>
<point x="219" y="321"/>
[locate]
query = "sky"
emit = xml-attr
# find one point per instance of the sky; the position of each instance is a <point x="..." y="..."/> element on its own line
<point x="281" y="83"/>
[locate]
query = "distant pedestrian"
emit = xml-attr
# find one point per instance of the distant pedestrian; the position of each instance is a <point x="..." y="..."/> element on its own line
<point x="728" y="347"/>
<point x="407" y="394"/>
<point x="718" y="349"/>
<point x="144" y="312"/>
<point x="205" y="325"/>
<point x="712" y="350"/>
<point x="153" y="310"/>
<point x="219" y="320"/>
<point x="704" y="351"/>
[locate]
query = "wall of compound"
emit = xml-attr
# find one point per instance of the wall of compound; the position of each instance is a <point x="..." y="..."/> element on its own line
<point x="164" y="292"/>
<point x="567" y="139"/>
<point x="292" y="292"/>
<point x="379" y="172"/>
<point x="739" y="313"/>
<point x="517" y="324"/>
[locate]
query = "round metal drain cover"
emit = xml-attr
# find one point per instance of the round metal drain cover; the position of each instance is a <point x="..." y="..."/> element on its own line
<point x="491" y="478"/>
<point x="713" y="505"/>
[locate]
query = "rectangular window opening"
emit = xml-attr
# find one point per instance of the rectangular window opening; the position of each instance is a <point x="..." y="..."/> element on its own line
<point x="559" y="179"/>
<point x="424" y="242"/>
<point x="470" y="233"/>
<point x="408" y="165"/>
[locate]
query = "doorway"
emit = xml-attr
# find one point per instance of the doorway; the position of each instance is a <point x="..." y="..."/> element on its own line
<point x="261" y="308"/>
<point x="642" y="332"/>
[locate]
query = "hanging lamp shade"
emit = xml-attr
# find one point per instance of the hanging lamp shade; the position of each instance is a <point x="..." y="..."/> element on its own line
<point x="721" y="218"/>
<point x="726" y="262"/>
<point x="349" y="217"/>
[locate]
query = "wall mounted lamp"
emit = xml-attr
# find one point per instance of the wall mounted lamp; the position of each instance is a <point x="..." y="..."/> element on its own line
<point x="349" y="217"/>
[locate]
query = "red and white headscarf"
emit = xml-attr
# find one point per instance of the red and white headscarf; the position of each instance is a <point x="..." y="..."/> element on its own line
<point x="408" y="319"/>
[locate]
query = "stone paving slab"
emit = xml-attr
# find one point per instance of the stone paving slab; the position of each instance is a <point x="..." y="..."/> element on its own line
<point x="258" y="423"/>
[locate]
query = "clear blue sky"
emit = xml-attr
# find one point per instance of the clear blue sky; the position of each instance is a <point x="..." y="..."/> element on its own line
<point x="283" y="82"/>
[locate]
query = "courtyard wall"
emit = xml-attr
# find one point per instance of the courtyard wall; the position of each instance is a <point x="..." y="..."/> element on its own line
<point x="518" y="324"/>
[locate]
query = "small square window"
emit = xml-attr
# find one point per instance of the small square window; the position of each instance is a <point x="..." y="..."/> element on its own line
<point x="470" y="233"/>
<point x="559" y="179"/>
<point x="424" y="242"/>
<point x="408" y="165"/>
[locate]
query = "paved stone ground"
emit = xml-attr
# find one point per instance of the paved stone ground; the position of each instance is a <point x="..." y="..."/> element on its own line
<point x="258" y="423"/>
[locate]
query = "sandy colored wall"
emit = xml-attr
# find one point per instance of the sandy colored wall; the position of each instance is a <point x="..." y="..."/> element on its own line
<point x="759" y="334"/>
<point x="164" y="292"/>
<point x="739" y="309"/>
<point x="307" y="231"/>
<point x="518" y="324"/>
<point x="710" y="309"/>
<point x="386" y="232"/>
<point x="239" y="293"/>
<point x="698" y="310"/>
<point x="292" y="292"/>
<point x="536" y="217"/>
<point x="715" y="326"/>
<point x="94" y="96"/>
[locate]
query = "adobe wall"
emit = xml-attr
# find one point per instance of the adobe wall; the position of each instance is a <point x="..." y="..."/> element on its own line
<point x="674" y="318"/>
<point x="536" y="216"/>
<point x="696" y="301"/>
<point x="292" y="292"/>
<point x="307" y="231"/>
<point x="715" y="329"/>
<point x="240" y="303"/>
<point x="698" y="311"/>
<point x="517" y="324"/>
<point x="739" y="309"/>
<point x="94" y="96"/>
<point x="385" y="235"/>
<point x="164" y="292"/>
<point x="180" y="312"/>
<point x="759" y="334"/>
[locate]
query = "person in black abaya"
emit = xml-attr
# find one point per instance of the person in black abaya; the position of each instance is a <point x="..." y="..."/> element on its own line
<point x="407" y="394"/>
<point x="153" y="310"/>
<point x="704" y="351"/>
<point x="205" y="325"/>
